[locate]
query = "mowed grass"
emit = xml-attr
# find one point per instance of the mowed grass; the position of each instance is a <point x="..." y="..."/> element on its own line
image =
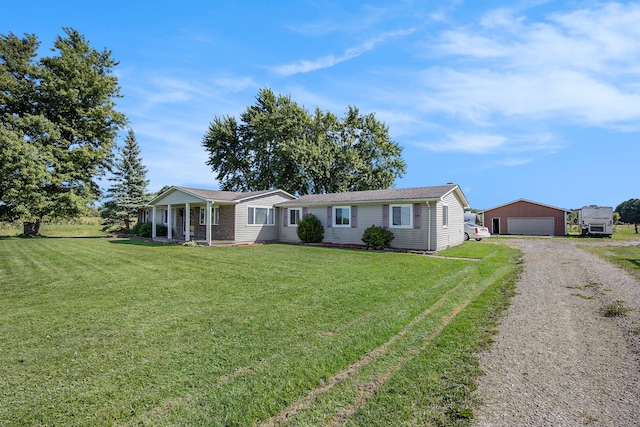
<point x="98" y="331"/>
<point x="626" y="257"/>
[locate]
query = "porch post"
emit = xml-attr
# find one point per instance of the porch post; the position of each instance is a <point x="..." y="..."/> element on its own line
<point x="208" y="223"/>
<point x="169" y="234"/>
<point x="153" y="222"/>
<point x="187" y="222"/>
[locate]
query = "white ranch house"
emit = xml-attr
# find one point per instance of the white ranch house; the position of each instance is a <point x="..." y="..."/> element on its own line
<point x="423" y="218"/>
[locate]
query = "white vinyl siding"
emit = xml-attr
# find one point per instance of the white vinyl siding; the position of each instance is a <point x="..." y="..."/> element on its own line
<point x="258" y="233"/>
<point x="401" y="216"/>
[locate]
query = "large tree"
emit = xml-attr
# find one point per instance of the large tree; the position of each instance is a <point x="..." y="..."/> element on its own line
<point x="58" y="125"/>
<point x="128" y="191"/>
<point x="629" y="211"/>
<point x="278" y="144"/>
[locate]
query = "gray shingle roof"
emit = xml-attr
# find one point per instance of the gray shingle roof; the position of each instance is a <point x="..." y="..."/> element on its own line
<point x="227" y="196"/>
<point x="417" y="194"/>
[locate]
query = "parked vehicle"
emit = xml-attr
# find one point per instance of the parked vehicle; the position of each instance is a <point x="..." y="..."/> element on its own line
<point x="475" y="231"/>
<point x="596" y="220"/>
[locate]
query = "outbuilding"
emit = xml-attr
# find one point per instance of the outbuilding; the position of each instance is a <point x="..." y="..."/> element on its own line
<point x="524" y="217"/>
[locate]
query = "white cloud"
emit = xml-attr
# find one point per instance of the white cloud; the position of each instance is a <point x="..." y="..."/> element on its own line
<point x="492" y="143"/>
<point x="577" y="67"/>
<point x="306" y="66"/>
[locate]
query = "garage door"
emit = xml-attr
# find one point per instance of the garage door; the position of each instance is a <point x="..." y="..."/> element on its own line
<point x="531" y="226"/>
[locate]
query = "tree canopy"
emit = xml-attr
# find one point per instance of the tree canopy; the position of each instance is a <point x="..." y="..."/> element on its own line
<point x="58" y="125"/>
<point x="128" y="191"/>
<point x="279" y="144"/>
<point x="629" y="211"/>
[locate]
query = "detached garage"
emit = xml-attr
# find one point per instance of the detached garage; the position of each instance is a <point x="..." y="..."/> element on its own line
<point x="524" y="217"/>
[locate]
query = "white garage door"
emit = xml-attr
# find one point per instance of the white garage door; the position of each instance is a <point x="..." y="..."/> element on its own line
<point x="531" y="226"/>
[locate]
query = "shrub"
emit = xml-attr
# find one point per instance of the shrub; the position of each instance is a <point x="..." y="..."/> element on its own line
<point x="142" y="229"/>
<point x="161" y="230"/>
<point x="310" y="229"/>
<point x="377" y="237"/>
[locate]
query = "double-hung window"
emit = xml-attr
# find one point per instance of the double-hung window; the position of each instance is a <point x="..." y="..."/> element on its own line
<point x="401" y="216"/>
<point x="445" y="215"/>
<point x="342" y="216"/>
<point x="294" y="216"/>
<point x="215" y="216"/>
<point x="260" y="216"/>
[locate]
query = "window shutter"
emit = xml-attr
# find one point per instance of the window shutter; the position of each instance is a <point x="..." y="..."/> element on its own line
<point x="354" y="217"/>
<point x="385" y="216"/>
<point x="304" y="211"/>
<point x="329" y="216"/>
<point x="285" y="216"/>
<point x="417" y="215"/>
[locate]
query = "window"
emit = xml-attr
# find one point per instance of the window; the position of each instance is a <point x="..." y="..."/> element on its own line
<point x="215" y="219"/>
<point x="445" y="215"/>
<point x="215" y="216"/>
<point x="341" y="216"/>
<point x="294" y="216"/>
<point x="165" y="216"/>
<point x="260" y="216"/>
<point x="145" y="216"/>
<point x="401" y="216"/>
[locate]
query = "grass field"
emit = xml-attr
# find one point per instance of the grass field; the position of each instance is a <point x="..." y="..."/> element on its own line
<point x="84" y="226"/>
<point x="99" y="331"/>
<point x="626" y="257"/>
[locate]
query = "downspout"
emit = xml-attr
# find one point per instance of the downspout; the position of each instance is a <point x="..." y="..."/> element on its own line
<point x="429" y="229"/>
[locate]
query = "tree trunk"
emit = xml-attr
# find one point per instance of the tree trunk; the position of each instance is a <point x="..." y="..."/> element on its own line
<point x="31" y="228"/>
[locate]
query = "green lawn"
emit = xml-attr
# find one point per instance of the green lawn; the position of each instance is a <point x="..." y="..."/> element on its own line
<point x="627" y="257"/>
<point x="97" y="331"/>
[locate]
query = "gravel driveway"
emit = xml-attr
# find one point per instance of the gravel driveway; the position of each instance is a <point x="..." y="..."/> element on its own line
<point x="557" y="360"/>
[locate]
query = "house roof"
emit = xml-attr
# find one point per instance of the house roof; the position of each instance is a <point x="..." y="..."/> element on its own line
<point x="527" y="201"/>
<point x="219" y="196"/>
<point x="417" y="194"/>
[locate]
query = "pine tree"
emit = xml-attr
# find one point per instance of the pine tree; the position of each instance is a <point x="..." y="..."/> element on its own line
<point x="58" y="126"/>
<point x="129" y="190"/>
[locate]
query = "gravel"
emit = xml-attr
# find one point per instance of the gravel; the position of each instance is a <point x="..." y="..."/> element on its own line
<point x="557" y="360"/>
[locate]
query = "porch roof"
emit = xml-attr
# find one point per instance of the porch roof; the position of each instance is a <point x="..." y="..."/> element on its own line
<point x="230" y="197"/>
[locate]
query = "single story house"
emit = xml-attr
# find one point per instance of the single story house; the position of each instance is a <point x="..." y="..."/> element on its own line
<point x="424" y="218"/>
<point x="208" y="215"/>
<point x="524" y="217"/>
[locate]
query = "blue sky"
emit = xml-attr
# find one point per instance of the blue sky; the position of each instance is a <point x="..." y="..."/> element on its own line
<point x="521" y="99"/>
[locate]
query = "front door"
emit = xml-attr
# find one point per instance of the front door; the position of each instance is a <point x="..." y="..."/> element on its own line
<point x="495" y="222"/>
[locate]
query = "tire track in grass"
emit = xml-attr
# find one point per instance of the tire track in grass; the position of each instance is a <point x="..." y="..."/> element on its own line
<point x="368" y="389"/>
<point x="292" y="410"/>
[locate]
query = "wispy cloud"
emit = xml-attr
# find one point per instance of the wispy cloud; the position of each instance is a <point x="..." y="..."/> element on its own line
<point x="306" y="66"/>
<point x="492" y="143"/>
<point x="575" y="67"/>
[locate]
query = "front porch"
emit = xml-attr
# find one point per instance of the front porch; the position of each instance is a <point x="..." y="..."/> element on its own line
<point x="207" y="223"/>
<point x="166" y="240"/>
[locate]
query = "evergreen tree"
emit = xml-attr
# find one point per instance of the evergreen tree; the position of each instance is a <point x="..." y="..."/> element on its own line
<point x="58" y="125"/>
<point x="129" y="190"/>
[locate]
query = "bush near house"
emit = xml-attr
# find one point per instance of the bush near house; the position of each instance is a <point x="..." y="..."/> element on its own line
<point x="310" y="229"/>
<point x="377" y="237"/>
